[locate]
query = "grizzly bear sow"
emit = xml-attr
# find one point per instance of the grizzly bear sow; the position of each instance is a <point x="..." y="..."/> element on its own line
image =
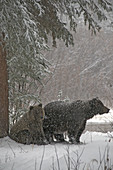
<point x="71" y="117"/>
<point x="29" y="128"/>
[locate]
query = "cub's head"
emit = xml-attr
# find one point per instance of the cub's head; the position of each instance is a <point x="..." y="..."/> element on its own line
<point x="97" y="107"/>
<point x="37" y="111"/>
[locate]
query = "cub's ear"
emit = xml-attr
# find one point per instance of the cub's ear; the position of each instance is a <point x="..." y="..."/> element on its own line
<point x="31" y="107"/>
<point x="40" y="105"/>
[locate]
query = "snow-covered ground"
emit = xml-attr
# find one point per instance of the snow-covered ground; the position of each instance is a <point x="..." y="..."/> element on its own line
<point x="95" y="153"/>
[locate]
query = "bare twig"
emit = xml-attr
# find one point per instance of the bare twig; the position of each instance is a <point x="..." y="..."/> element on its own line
<point x="53" y="166"/>
<point x="42" y="158"/>
<point x="12" y="150"/>
<point x="12" y="167"/>
<point x="77" y="163"/>
<point x="35" y="163"/>
<point x="22" y="150"/>
<point x="68" y="160"/>
<point x="101" y="159"/>
<point x="57" y="158"/>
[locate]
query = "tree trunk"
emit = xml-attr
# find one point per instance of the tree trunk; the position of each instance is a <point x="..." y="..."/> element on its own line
<point x="4" y="120"/>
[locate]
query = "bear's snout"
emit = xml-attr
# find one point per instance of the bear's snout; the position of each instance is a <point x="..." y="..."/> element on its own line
<point x="106" y="110"/>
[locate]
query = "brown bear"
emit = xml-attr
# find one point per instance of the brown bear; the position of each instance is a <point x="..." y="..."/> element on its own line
<point x="71" y="117"/>
<point x="29" y="129"/>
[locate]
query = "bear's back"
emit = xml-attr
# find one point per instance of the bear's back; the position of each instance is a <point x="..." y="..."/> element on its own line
<point x="56" y="109"/>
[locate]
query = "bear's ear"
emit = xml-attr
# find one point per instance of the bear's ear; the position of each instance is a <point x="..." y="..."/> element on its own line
<point x="95" y="99"/>
<point x="40" y="105"/>
<point x="93" y="102"/>
<point x="31" y="107"/>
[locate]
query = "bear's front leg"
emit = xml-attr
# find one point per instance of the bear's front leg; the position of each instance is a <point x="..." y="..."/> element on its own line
<point x="49" y="135"/>
<point x="72" y="133"/>
<point x="39" y="140"/>
<point x="80" y="131"/>
<point x="37" y="134"/>
<point x="71" y="136"/>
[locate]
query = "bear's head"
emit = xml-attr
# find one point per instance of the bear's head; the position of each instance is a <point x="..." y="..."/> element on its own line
<point x="97" y="107"/>
<point x="37" y="111"/>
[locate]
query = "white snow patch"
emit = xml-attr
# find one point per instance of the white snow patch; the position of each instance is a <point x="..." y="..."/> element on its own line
<point x="15" y="156"/>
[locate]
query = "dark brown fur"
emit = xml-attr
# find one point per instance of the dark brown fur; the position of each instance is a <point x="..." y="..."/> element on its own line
<point x="71" y="117"/>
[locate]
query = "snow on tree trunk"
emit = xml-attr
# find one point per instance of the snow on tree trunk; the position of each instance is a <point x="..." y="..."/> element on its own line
<point x="4" y="122"/>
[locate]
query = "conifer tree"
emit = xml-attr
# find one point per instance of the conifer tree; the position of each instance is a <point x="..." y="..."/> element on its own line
<point x="26" y="25"/>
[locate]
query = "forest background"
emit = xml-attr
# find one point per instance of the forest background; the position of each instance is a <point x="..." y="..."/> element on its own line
<point x="27" y="69"/>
